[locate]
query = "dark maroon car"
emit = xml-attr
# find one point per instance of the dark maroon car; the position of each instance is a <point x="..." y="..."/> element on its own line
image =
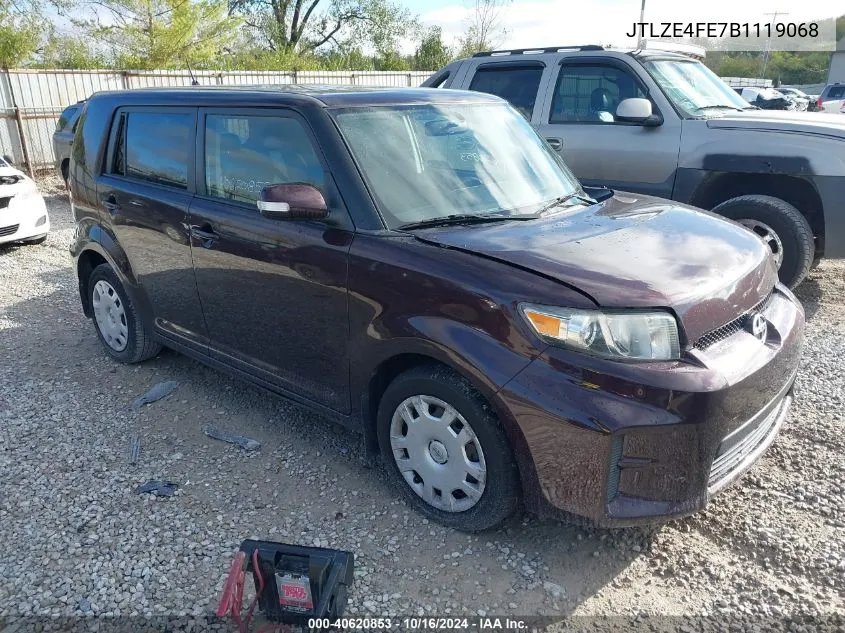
<point x="420" y="266"/>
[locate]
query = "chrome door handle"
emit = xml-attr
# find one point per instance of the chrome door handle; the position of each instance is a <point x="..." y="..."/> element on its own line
<point x="555" y="143"/>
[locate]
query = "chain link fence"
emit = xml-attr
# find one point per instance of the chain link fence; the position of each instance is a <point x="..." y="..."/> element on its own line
<point x="32" y="100"/>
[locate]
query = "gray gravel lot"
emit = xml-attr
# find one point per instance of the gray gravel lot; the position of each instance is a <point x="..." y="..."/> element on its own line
<point x="77" y="540"/>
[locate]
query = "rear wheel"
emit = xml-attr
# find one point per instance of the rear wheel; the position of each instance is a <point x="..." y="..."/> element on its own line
<point x="119" y="327"/>
<point x="782" y="228"/>
<point x="446" y="450"/>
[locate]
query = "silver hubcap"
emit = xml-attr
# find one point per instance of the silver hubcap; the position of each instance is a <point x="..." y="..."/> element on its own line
<point x="438" y="453"/>
<point x="110" y="316"/>
<point x="769" y="237"/>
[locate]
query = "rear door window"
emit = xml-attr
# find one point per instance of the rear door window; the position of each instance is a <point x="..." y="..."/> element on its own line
<point x="518" y="84"/>
<point x="154" y="147"/>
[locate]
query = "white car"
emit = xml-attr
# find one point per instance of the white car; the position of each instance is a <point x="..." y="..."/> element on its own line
<point x="832" y="98"/>
<point x="23" y="214"/>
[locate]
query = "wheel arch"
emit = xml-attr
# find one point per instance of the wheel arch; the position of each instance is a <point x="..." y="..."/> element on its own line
<point x="392" y="366"/>
<point x="718" y="187"/>
<point x="93" y="252"/>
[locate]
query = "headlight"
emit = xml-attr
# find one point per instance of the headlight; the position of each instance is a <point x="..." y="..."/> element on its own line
<point x="631" y="335"/>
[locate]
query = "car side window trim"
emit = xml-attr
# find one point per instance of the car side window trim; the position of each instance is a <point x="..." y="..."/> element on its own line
<point x="118" y="134"/>
<point x="569" y="62"/>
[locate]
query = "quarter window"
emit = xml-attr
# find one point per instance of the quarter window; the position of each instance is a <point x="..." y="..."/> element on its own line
<point x="244" y="154"/>
<point x="516" y="84"/>
<point x="154" y="146"/>
<point x="588" y="93"/>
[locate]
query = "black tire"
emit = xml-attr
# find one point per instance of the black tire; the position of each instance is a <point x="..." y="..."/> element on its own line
<point x="140" y="344"/>
<point x="791" y="227"/>
<point x="502" y="492"/>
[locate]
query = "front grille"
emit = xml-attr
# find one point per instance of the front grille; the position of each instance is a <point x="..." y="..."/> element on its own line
<point x="729" y="329"/>
<point x="9" y="230"/>
<point x="729" y="457"/>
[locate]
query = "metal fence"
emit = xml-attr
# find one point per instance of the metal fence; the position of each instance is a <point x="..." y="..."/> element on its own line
<point x="32" y="100"/>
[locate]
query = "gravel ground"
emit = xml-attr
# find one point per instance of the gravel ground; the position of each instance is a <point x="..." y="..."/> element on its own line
<point x="78" y="541"/>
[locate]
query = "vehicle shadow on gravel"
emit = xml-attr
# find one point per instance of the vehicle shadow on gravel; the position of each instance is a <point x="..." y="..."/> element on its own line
<point x="310" y="483"/>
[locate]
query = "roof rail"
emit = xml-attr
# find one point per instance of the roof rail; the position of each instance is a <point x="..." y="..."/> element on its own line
<point x="550" y="49"/>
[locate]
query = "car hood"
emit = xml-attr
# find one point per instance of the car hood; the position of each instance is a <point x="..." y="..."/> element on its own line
<point x="782" y="121"/>
<point x="634" y="251"/>
<point x="23" y="184"/>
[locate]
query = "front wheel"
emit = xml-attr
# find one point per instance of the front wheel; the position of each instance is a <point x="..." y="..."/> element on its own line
<point x="446" y="450"/>
<point x="782" y="228"/>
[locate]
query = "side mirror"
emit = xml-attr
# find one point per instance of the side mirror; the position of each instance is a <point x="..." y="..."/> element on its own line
<point x="292" y="201"/>
<point x="639" y="111"/>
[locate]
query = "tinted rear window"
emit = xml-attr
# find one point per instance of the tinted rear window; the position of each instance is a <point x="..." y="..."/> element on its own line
<point x="835" y="92"/>
<point x="154" y="146"/>
<point x="516" y="84"/>
<point x="67" y="118"/>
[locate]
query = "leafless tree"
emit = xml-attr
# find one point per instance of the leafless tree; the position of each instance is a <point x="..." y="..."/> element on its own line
<point x="484" y="28"/>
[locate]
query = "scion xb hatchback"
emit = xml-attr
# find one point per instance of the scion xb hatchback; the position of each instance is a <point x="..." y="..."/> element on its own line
<point x="420" y="265"/>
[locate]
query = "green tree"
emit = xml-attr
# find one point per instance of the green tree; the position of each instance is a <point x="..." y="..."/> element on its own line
<point x="150" y="34"/>
<point x="432" y="53"/>
<point x="20" y="37"/>
<point x="69" y="51"/>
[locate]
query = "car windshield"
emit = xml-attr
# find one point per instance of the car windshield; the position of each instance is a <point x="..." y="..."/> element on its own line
<point x="693" y="88"/>
<point x="431" y="161"/>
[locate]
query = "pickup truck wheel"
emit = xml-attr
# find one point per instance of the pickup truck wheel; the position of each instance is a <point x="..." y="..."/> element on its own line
<point x="446" y="450"/>
<point x="119" y="326"/>
<point x="781" y="227"/>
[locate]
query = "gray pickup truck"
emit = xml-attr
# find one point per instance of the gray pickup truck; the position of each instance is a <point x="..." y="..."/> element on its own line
<point x="662" y="124"/>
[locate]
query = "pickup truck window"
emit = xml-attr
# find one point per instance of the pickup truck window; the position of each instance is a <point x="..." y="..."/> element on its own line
<point x="516" y="84"/>
<point x="590" y="93"/>
<point x="693" y="88"/>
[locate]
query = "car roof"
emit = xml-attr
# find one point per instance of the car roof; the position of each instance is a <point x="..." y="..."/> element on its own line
<point x="330" y="96"/>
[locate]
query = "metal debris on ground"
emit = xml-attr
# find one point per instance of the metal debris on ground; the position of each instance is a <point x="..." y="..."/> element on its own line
<point x="157" y="392"/>
<point x="134" y="449"/>
<point x="246" y="443"/>
<point x="158" y="488"/>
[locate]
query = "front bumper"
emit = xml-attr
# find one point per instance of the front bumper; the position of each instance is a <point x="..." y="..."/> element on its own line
<point x="626" y="444"/>
<point x="24" y="219"/>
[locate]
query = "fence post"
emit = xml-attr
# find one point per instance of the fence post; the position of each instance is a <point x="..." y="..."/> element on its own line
<point x="22" y="134"/>
<point x="410" y="81"/>
<point x="21" y="131"/>
<point x="124" y="76"/>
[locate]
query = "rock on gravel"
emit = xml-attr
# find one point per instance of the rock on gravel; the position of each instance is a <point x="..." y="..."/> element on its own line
<point x="78" y="542"/>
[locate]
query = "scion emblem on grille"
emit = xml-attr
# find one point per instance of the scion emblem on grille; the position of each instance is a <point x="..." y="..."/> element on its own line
<point x="758" y="327"/>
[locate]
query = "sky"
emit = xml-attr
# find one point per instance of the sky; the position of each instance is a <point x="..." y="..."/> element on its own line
<point x="566" y="22"/>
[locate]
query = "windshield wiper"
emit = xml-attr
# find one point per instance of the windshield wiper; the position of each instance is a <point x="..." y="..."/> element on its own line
<point x="560" y="200"/>
<point x="463" y="218"/>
